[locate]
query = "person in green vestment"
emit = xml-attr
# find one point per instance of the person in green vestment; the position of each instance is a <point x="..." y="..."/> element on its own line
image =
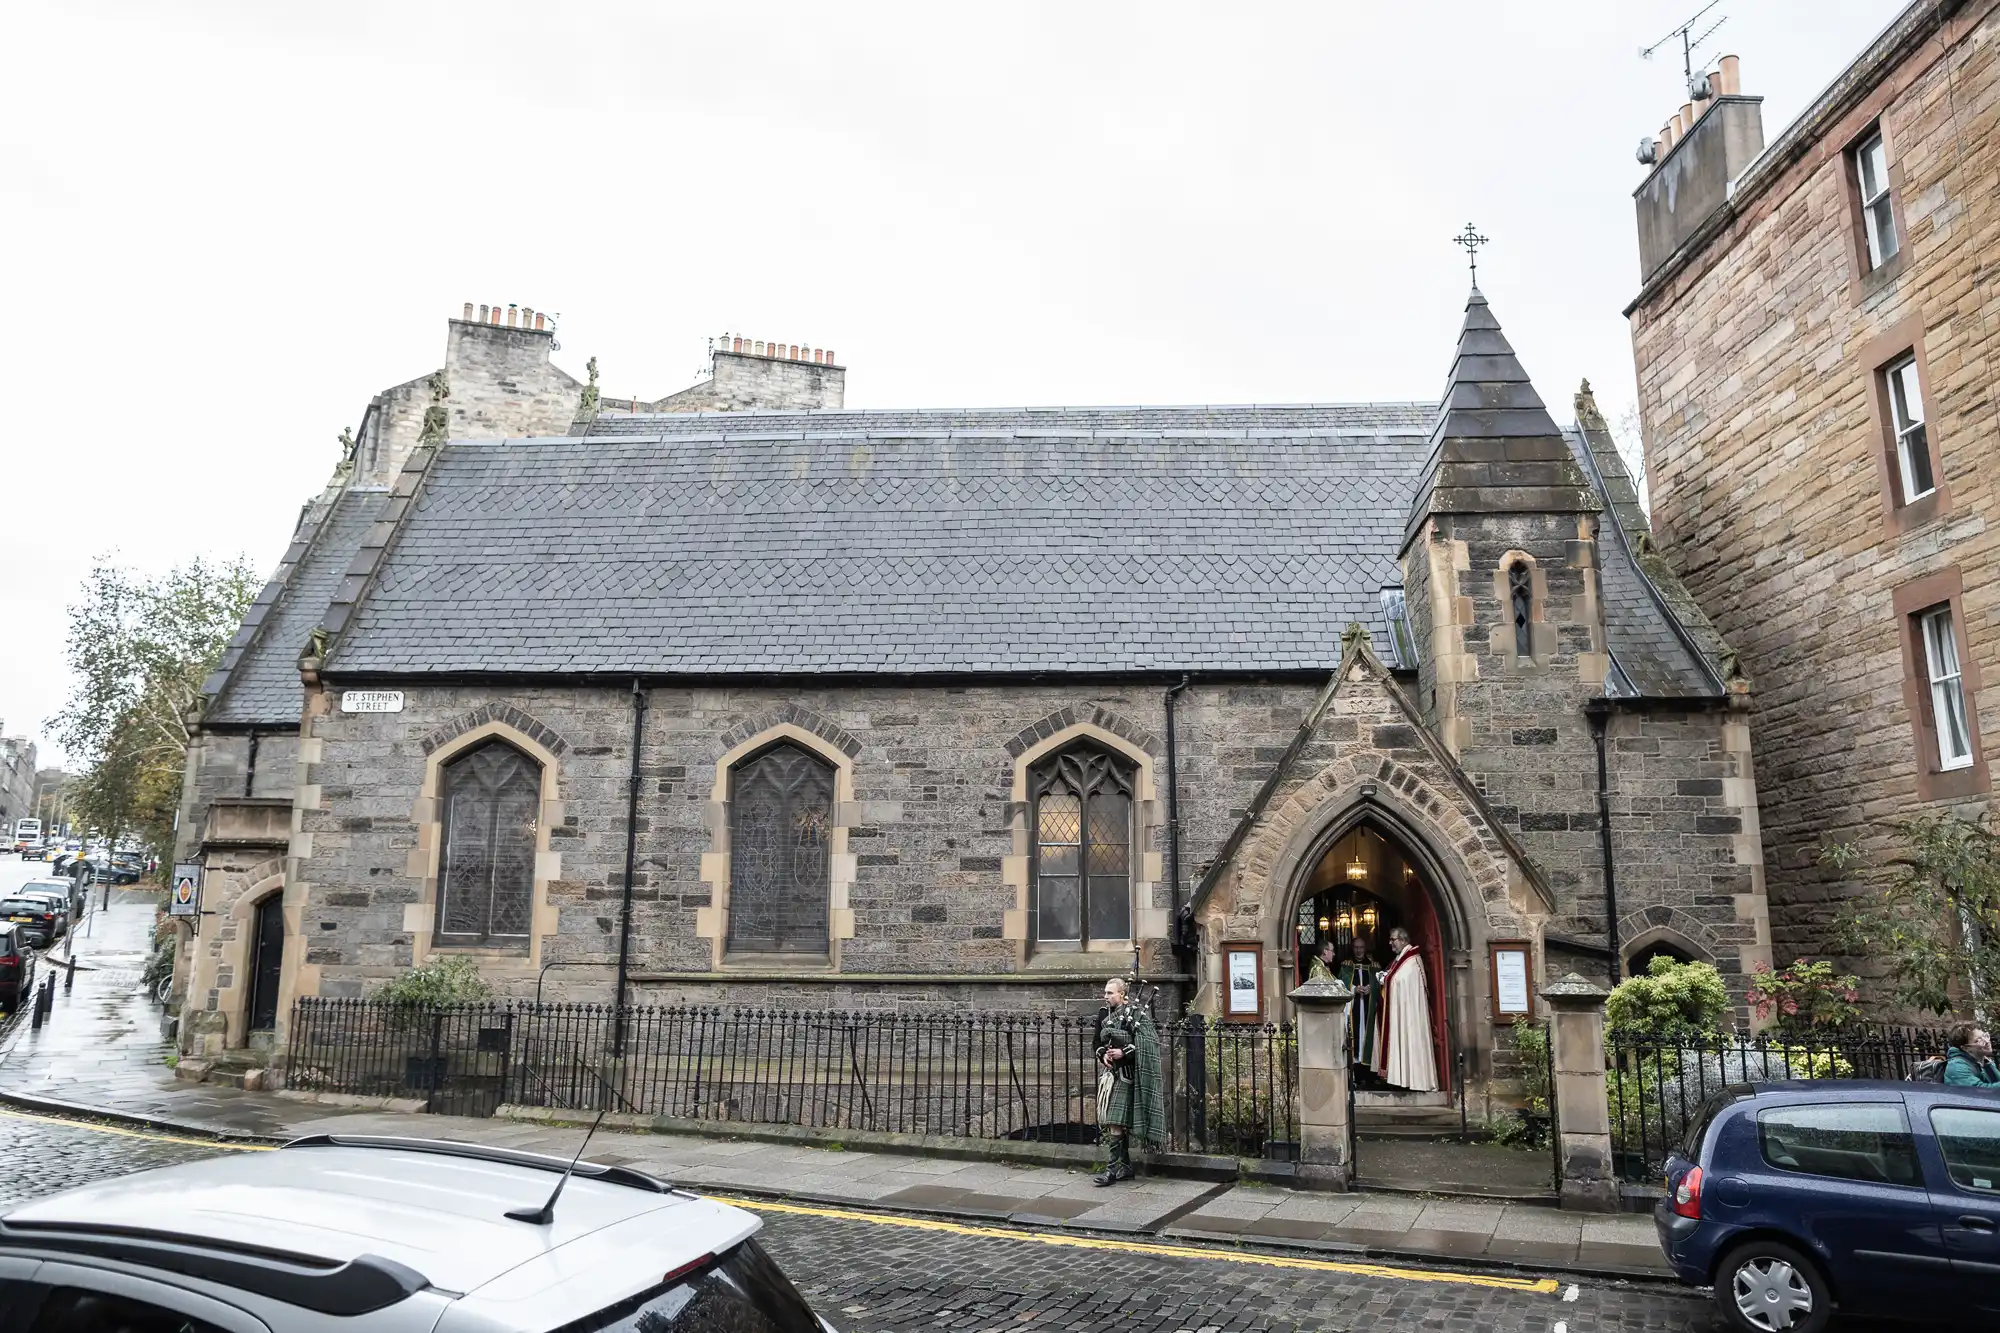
<point x="1322" y="965"/>
<point x="1131" y="1100"/>
<point x="1364" y="978"/>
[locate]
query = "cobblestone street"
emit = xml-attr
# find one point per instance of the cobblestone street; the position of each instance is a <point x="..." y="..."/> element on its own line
<point x="878" y="1272"/>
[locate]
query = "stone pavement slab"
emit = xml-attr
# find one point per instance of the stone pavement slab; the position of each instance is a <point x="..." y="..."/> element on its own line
<point x="102" y="1053"/>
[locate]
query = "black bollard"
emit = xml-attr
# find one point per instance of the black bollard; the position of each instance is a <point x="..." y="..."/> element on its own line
<point x="69" y="976"/>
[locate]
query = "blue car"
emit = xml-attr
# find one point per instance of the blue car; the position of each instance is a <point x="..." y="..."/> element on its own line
<point x="1879" y="1198"/>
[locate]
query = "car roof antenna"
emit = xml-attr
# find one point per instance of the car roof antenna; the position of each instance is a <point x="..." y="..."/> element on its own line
<point x="546" y="1214"/>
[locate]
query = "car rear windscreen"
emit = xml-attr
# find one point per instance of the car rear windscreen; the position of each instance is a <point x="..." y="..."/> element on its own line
<point x="743" y="1293"/>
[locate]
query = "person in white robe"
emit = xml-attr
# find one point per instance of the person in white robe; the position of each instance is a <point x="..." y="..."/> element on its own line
<point x="1405" y="1055"/>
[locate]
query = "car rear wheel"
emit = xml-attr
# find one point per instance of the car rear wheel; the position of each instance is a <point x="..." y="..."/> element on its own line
<point x="1768" y="1287"/>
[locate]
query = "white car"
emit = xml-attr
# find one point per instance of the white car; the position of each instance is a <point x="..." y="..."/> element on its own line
<point x="391" y="1235"/>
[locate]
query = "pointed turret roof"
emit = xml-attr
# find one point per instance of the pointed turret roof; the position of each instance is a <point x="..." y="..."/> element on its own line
<point x="1495" y="449"/>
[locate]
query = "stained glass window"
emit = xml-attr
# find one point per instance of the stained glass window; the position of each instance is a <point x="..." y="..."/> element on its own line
<point x="780" y="843"/>
<point x="1083" y="849"/>
<point x="486" y="876"/>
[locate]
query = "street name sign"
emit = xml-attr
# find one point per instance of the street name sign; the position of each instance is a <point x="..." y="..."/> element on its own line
<point x="371" y="701"/>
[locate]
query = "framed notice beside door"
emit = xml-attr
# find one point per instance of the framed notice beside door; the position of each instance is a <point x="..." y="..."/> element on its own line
<point x="1243" y="982"/>
<point x="1513" y="995"/>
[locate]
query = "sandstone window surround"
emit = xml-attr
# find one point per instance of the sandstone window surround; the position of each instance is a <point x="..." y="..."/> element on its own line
<point x="1146" y="872"/>
<point x="1522" y="636"/>
<point x="1910" y="463"/>
<point x="785" y="791"/>
<point x="1082" y="877"/>
<point x="1940" y="687"/>
<point x="500" y="956"/>
<point x="1871" y="181"/>
<point x="780" y="827"/>
<point x="490" y="809"/>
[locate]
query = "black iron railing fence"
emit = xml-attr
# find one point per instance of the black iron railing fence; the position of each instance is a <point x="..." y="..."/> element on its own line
<point x="1656" y="1087"/>
<point x="1229" y="1087"/>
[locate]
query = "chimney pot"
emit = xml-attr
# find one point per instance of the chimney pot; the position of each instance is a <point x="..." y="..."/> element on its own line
<point x="1728" y="75"/>
<point x="735" y="344"/>
<point x="829" y="357"/>
<point x="482" y="314"/>
<point x="468" y="312"/>
<point x="1687" y="116"/>
<point x="538" y="321"/>
<point x="795" y="352"/>
<point x="496" y="316"/>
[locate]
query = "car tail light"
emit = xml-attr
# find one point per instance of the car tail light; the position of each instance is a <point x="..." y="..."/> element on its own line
<point x="1687" y="1194"/>
<point x="675" y="1274"/>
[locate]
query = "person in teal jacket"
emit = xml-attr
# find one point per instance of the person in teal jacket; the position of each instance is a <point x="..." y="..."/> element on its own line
<point x="1969" y="1061"/>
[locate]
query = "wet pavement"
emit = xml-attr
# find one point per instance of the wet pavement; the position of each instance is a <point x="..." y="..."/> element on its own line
<point x="102" y="1051"/>
<point x="882" y="1273"/>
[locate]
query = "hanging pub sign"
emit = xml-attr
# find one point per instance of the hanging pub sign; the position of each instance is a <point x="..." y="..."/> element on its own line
<point x="1243" y="982"/>
<point x="1513" y="996"/>
<point x="184" y="899"/>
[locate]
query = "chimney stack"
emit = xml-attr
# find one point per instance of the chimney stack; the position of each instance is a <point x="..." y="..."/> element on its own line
<point x="1702" y="149"/>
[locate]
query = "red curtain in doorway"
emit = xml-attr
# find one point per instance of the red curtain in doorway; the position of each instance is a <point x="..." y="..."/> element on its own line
<point x="1422" y="920"/>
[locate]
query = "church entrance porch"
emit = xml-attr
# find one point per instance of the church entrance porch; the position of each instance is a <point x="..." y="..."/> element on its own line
<point x="1366" y="916"/>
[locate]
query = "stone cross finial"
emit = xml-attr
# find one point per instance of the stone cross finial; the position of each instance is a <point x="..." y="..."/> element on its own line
<point x="1355" y="636"/>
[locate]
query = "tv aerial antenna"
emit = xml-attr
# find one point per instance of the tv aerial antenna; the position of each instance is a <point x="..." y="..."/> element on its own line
<point x="1697" y="85"/>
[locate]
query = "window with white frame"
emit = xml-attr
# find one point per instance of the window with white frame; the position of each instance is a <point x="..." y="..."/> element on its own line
<point x="1871" y="171"/>
<point x="1954" y="736"/>
<point x="1906" y="412"/>
<point x="1402" y="647"/>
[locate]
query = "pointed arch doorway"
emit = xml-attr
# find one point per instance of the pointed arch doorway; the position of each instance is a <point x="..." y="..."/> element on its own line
<point x="1363" y="881"/>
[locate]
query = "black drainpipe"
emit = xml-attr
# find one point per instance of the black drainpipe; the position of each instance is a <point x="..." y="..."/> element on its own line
<point x="631" y="859"/>
<point x="250" y="766"/>
<point x="1598" y="710"/>
<point x="1181" y="932"/>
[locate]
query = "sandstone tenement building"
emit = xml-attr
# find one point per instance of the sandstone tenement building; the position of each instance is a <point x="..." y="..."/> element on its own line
<point x="791" y="703"/>
<point x="1814" y="341"/>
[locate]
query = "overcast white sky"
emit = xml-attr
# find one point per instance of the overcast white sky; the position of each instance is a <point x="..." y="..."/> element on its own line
<point x="228" y="224"/>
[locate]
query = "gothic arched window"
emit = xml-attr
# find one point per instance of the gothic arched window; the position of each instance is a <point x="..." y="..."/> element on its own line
<point x="1521" y="603"/>
<point x="1083" y="848"/>
<point x="780" y="851"/>
<point x="492" y="800"/>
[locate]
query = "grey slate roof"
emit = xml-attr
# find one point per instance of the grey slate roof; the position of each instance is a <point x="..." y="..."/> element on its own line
<point x="259" y="681"/>
<point x="1659" y="637"/>
<point x="1085" y="540"/>
<point x="1494" y="448"/>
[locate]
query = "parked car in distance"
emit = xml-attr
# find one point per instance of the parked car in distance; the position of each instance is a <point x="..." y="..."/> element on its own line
<point x="1874" y="1197"/>
<point x="58" y="897"/>
<point x="17" y="968"/>
<point x="72" y="893"/>
<point x="374" y="1235"/>
<point x="35" y="918"/>
<point x="40" y="851"/>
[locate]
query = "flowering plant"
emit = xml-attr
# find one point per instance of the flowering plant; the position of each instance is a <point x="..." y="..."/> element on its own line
<point x="1806" y="996"/>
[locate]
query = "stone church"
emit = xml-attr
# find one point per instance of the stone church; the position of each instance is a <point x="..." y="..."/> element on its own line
<point x="744" y="696"/>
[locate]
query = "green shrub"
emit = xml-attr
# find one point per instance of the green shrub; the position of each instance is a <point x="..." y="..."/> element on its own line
<point x="438" y="982"/>
<point x="1531" y="1044"/>
<point x="1670" y="1000"/>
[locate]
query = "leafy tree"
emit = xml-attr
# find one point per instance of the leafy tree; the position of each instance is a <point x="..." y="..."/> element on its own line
<point x="1935" y="923"/>
<point x="1670" y="1000"/>
<point x="138" y="651"/>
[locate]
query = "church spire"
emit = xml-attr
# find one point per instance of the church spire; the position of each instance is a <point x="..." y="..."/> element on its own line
<point x="1495" y="449"/>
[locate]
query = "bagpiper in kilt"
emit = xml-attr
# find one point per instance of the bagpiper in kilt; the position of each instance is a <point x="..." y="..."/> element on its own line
<point x="1131" y="1100"/>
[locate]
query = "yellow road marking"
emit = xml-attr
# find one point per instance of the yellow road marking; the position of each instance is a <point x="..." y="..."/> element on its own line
<point x="1543" y="1286"/>
<point x="135" y="1133"/>
<point x="1540" y="1286"/>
